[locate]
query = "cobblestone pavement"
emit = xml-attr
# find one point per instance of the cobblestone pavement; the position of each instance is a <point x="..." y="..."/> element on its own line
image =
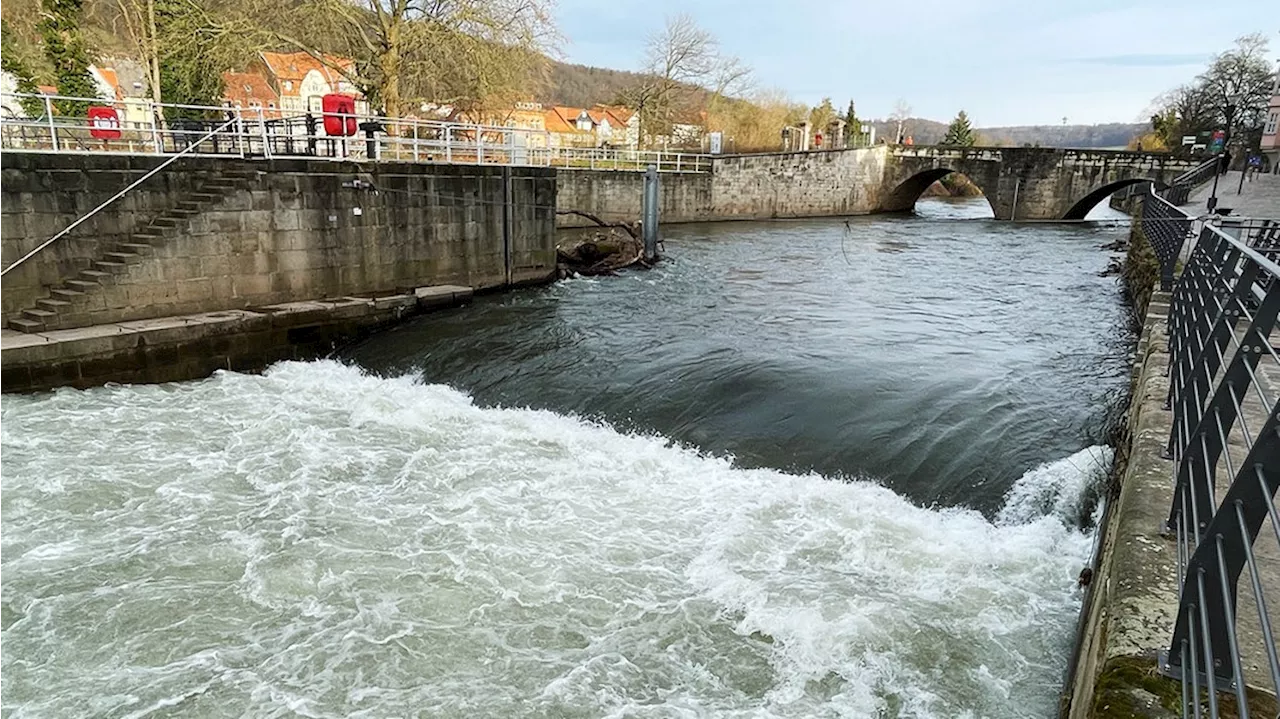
<point x="1260" y="196"/>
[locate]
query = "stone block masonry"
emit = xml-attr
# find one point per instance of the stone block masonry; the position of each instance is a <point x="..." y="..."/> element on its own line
<point x="739" y="187"/>
<point x="283" y="231"/>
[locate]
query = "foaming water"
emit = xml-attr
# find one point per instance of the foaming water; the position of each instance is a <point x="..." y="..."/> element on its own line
<point x="320" y="542"/>
<point x="944" y="356"/>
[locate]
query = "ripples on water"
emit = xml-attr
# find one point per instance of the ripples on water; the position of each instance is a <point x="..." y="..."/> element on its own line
<point x="945" y="358"/>
<point x="321" y="542"/>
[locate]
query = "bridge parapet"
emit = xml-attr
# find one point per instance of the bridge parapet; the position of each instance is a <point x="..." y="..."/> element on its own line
<point x="1027" y="183"/>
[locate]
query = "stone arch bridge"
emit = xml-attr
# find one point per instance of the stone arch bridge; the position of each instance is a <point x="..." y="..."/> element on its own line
<point x="1025" y="183"/>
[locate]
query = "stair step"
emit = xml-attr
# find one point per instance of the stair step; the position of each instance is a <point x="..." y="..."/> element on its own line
<point x="66" y="294"/>
<point x="137" y="248"/>
<point x="126" y="257"/>
<point x="38" y="314"/>
<point x="220" y="187"/>
<point x="52" y="305"/>
<point x="26" y="325"/>
<point x="165" y="222"/>
<point x="205" y="196"/>
<point x="150" y="238"/>
<point x="111" y="267"/>
<point x="98" y="276"/>
<point x="83" y="285"/>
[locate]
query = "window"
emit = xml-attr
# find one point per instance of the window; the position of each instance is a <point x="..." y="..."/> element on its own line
<point x="288" y="85"/>
<point x="1272" y="122"/>
<point x="271" y="105"/>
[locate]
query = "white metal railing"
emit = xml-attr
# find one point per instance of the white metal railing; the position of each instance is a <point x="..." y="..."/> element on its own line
<point x="150" y="128"/>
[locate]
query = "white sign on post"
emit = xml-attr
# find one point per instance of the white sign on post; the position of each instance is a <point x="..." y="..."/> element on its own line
<point x="1188" y="139"/>
<point x="716" y="138"/>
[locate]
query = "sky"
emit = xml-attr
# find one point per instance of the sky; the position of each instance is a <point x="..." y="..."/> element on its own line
<point x="1005" y="62"/>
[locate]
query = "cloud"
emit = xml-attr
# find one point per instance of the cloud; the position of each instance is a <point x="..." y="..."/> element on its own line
<point x="1147" y="60"/>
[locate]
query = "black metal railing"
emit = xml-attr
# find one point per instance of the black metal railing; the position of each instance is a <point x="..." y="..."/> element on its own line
<point x="1166" y="229"/>
<point x="1225" y="447"/>
<point x="1179" y="190"/>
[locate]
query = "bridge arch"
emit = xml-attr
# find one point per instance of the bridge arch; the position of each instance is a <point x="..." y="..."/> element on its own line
<point x="1082" y="207"/>
<point x="903" y="197"/>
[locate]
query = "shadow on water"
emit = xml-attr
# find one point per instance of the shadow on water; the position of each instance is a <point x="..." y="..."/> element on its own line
<point x="941" y="353"/>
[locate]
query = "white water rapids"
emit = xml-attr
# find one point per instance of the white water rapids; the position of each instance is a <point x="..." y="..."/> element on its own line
<point x="319" y="542"/>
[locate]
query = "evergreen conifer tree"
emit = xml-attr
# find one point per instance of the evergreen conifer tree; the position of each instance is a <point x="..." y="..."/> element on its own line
<point x="852" y="126"/>
<point x="959" y="132"/>
<point x="13" y="63"/>
<point x="64" y="46"/>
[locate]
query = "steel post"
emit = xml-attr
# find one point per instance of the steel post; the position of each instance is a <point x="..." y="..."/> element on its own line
<point x="649" y="217"/>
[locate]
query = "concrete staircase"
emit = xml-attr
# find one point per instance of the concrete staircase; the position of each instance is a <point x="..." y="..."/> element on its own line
<point x="67" y="303"/>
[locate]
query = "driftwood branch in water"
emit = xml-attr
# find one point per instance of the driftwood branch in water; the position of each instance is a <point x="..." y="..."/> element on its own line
<point x="628" y="226"/>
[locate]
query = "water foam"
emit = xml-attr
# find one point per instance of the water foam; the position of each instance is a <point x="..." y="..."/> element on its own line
<point x="327" y="543"/>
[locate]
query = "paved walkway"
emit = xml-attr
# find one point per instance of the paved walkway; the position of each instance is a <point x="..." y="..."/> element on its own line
<point x="1259" y="197"/>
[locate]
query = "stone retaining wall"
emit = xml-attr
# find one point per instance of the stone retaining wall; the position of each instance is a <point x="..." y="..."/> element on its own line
<point x="296" y="230"/>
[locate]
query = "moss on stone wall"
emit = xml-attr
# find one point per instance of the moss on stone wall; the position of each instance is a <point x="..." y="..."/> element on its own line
<point x="1141" y="273"/>
<point x="1132" y="687"/>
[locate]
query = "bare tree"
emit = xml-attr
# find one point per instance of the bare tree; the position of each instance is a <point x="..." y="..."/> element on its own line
<point x="1238" y="84"/>
<point x="462" y="52"/>
<point x="683" y="62"/>
<point x="901" y="112"/>
<point x="133" y="22"/>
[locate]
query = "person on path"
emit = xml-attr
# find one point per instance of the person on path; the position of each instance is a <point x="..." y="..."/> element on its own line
<point x="1253" y="166"/>
<point x="1226" y="162"/>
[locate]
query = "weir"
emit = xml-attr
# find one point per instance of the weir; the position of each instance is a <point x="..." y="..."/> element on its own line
<point x="235" y="263"/>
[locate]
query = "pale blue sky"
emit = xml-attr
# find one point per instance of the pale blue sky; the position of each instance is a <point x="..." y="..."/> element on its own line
<point x="1007" y="62"/>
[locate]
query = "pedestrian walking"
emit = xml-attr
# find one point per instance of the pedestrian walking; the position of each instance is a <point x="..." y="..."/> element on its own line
<point x="1254" y="166"/>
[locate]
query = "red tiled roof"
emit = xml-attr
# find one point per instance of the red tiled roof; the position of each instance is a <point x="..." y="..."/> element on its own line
<point x="618" y="114"/>
<point x="246" y="88"/>
<point x="294" y="66"/>
<point x="109" y="74"/>
<point x="562" y="119"/>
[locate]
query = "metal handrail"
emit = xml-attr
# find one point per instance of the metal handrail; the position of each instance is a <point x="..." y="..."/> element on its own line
<point x="268" y="132"/>
<point x="1197" y="174"/>
<point x="1179" y="189"/>
<point x="116" y="196"/>
<point x="1225" y="436"/>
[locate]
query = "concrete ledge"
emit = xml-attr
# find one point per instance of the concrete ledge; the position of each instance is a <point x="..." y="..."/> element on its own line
<point x="186" y="347"/>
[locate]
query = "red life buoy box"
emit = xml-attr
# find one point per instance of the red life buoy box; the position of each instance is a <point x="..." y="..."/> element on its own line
<point x="339" y="114"/>
<point x="104" y="123"/>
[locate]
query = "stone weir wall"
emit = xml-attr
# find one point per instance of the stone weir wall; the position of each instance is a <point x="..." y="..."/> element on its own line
<point x="206" y="235"/>
<point x="739" y="187"/>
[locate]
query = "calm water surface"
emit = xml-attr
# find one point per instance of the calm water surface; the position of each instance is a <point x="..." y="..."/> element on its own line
<point x="803" y="469"/>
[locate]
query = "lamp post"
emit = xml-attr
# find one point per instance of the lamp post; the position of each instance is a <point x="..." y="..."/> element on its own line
<point x="1232" y="100"/>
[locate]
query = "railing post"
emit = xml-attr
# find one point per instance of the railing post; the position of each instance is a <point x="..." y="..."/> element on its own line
<point x="156" y="140"/>
<point x="53" y="128"/>
<point x="242" y="142"/>
<point x="479" y="146"/>
<point x="266" y="137"/>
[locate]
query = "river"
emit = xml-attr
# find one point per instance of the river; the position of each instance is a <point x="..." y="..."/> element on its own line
<point x="802" y="469"/>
